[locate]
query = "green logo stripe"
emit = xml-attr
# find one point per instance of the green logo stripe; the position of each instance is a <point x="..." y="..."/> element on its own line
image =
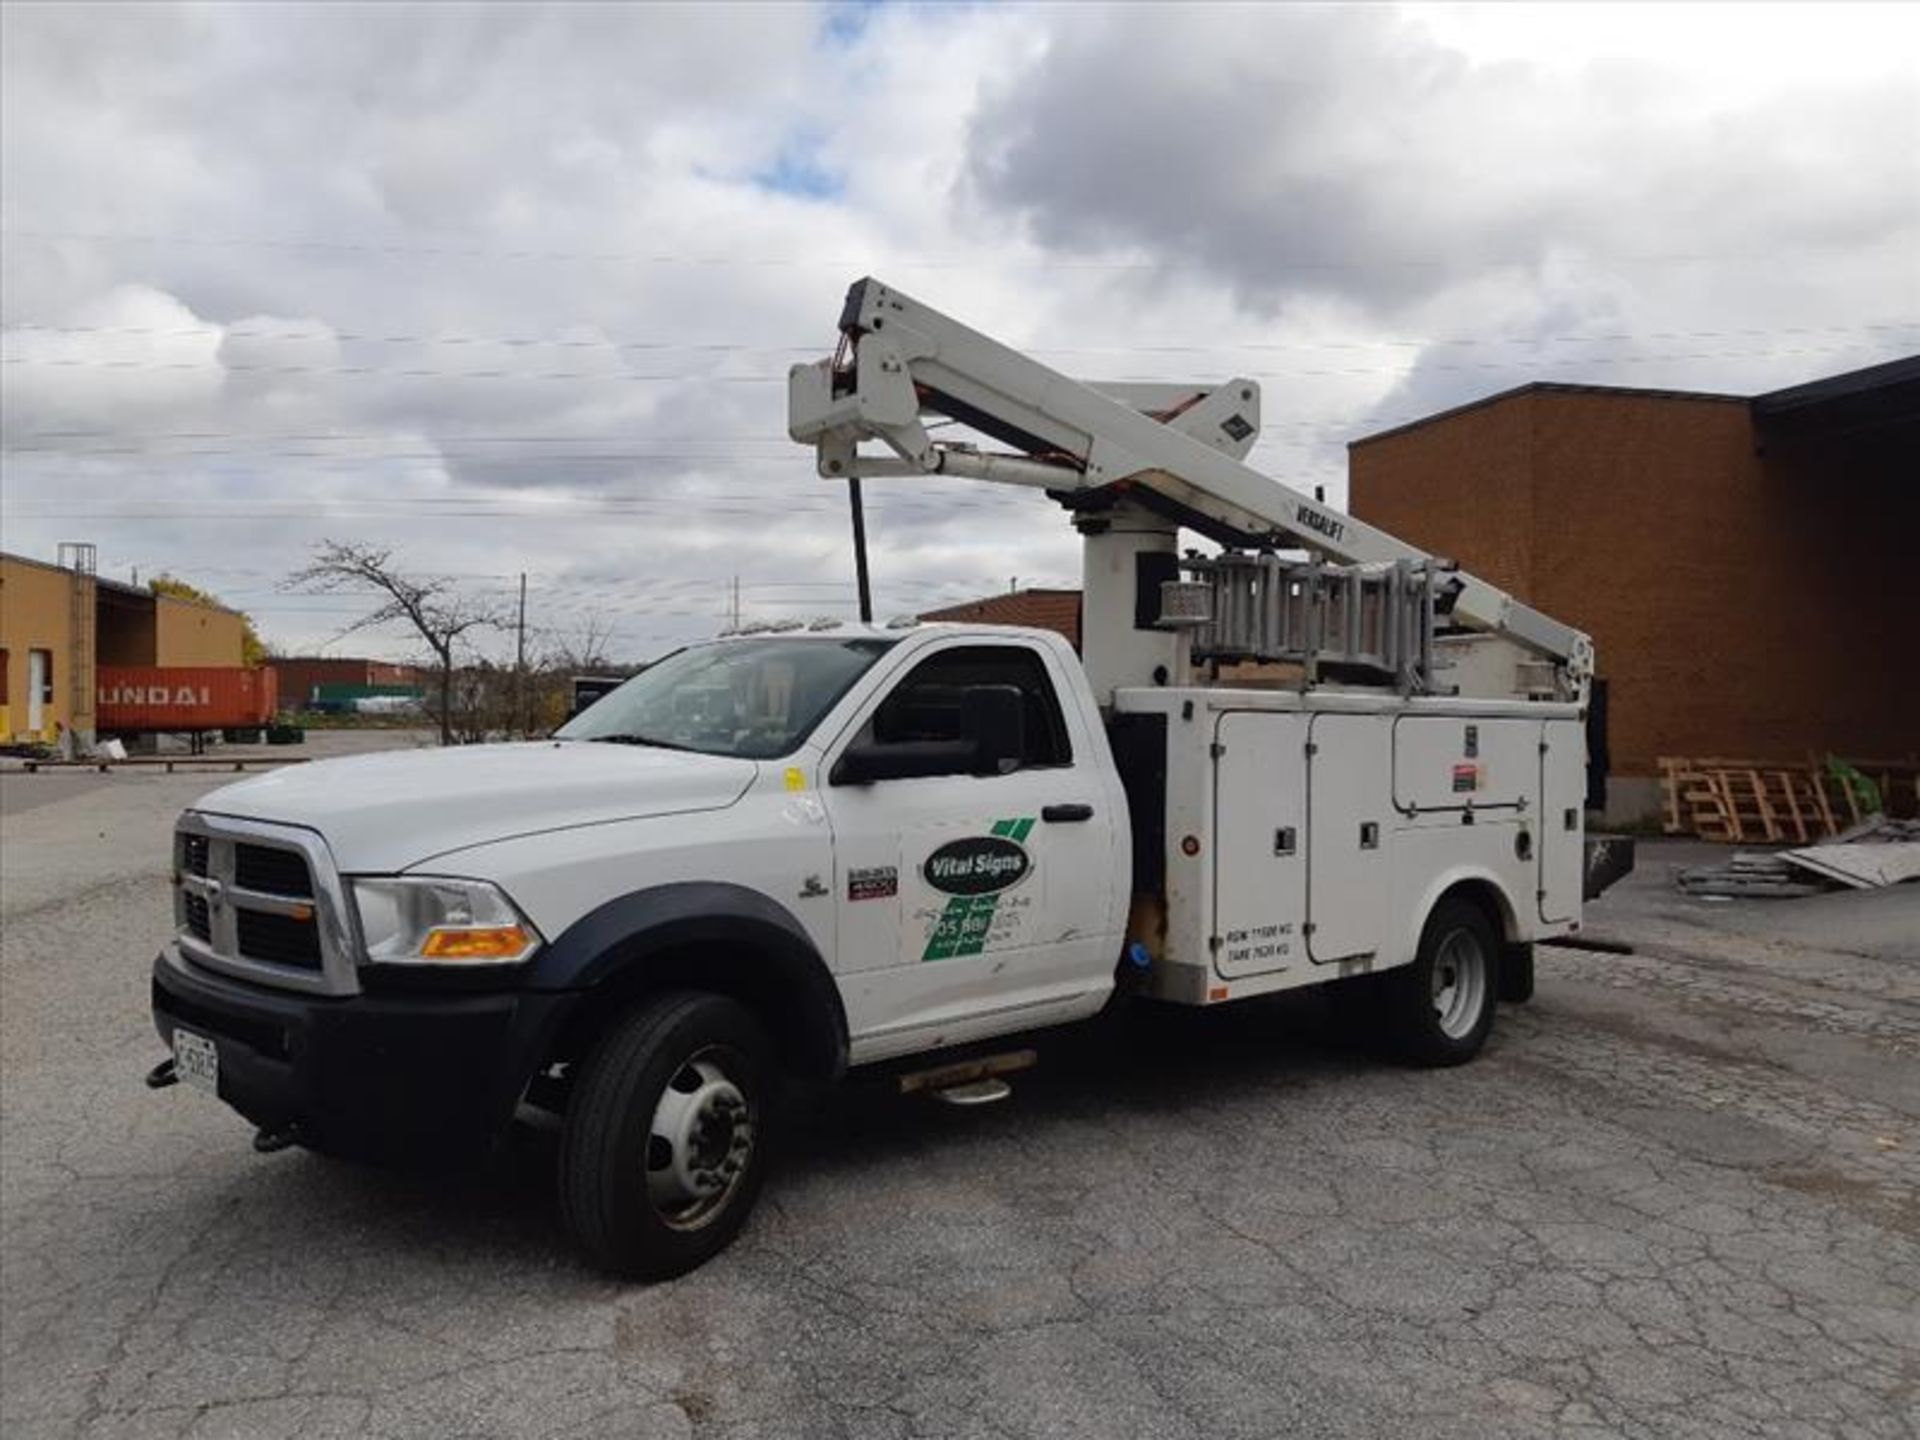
<point x="946" y="930"/>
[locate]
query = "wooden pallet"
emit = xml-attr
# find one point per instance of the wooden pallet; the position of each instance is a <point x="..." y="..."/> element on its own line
<point x="1754" y="802"/>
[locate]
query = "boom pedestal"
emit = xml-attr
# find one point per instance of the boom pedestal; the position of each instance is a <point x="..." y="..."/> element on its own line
<point x="1128" y="553"/>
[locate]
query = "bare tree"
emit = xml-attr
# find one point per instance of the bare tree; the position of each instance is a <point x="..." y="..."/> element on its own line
<point x="580" y="648"/>
<point x="438" y="613"/>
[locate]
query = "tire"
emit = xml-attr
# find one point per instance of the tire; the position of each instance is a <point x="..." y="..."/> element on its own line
<point x="1516" y="974"/>
<point x="1441" y="1006"/>
<point x="667" y="1139"/>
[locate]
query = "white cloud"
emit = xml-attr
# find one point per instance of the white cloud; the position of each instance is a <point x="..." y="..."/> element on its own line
<point x="514" y="288"/>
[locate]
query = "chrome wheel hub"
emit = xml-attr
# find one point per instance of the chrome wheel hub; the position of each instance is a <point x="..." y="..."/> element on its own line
<point x="699" y="1143"/>
<point x="1461" y="984"/>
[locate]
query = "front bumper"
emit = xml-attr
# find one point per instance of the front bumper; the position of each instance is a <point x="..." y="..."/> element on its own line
<point x="389" y="1078"/>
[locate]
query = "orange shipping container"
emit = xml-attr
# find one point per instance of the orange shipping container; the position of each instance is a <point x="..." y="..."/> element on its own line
<point x="184" y="697"/>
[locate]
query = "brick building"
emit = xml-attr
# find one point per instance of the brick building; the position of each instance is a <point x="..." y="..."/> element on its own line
<point x="1057" y="610"/>
<point x="1743" y="563"/>
<point x="304" y="678"/>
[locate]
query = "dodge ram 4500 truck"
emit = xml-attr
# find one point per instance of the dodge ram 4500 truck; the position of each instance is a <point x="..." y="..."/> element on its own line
<point x="784" y="854"/>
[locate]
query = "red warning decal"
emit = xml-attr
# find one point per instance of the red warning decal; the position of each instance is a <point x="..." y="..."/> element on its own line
<point x="1466" y="779"/>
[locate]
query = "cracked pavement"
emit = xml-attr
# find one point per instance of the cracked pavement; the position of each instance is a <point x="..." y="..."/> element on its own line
<point x="1679" y="1196"/>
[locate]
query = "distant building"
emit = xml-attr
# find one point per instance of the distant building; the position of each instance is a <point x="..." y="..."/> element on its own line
<point x="1057" y="610"/>
<point x="1744" y="564"/>
<point x="58" y="624"/>
<point x="306" y="681"/>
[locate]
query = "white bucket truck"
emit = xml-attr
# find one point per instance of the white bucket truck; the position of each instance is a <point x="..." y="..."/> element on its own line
<point x="904" y="845"/>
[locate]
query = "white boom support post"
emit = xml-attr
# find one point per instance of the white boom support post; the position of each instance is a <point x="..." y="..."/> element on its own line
<point x="1115" y="651"/>
<point x="1182" y="445"/>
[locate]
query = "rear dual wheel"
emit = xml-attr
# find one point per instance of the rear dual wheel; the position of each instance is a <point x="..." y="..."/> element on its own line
<point x="666" y="1142"/>
<point x="1441" y="1006"/>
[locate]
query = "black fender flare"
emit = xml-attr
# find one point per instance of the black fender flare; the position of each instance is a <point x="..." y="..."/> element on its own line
<point x="638" y="937"/>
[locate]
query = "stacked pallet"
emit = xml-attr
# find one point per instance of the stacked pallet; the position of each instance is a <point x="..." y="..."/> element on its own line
<point x="1745" y="802"/>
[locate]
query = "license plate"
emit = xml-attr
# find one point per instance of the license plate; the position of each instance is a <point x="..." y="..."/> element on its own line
<point x="196" y="1060"/>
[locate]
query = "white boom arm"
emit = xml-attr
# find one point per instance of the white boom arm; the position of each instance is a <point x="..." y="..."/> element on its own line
<point x="1176" y="449"/>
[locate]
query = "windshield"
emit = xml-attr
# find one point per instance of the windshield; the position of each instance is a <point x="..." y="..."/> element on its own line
<point x="756" y="699"/>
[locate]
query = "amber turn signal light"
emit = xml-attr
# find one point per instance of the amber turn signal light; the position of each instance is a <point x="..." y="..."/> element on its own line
<point x="492" y="942"/>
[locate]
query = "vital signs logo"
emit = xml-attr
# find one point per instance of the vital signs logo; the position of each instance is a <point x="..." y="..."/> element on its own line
<point x="978" y="865"/>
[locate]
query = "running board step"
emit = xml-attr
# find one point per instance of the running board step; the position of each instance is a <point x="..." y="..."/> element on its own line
<point x="974" y="1092"/>
<point x="966" y="1075"/>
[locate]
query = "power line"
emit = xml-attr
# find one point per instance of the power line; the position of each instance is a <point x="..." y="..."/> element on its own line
<point x="858" y="265"/>
<point x="385" y="372"/>
<point x="246" y="332"/>
<point x="689" y="504"/>
<point x="784" y="446"/>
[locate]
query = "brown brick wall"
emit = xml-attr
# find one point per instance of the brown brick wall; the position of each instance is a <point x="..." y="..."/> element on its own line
<point x="1057" y="610"/>
<point x="1459" y="488"/>
<point x="1739" y="606"/>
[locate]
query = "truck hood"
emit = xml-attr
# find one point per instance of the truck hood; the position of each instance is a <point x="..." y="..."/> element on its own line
<point x="383" y="813"/>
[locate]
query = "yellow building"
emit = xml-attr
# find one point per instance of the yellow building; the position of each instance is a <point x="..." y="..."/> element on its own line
<point x="58" y="624"/>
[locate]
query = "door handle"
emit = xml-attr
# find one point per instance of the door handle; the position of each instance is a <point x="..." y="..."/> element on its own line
<point x="1066" y="814"/>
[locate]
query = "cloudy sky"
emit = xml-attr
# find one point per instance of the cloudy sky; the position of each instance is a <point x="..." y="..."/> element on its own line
<point x="515" y="289"/>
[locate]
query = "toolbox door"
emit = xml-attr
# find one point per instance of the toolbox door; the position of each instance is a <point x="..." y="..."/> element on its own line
<point x="1259" y="845"/>
<point x="1563" y="794"/>
<point x="1445" y="764"/>
<point x="1349" y="804"/>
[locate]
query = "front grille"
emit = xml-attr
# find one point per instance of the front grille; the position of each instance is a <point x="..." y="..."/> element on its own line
<point x="262" y="903"/>
<point x="272" y="872"/>
<point x="278" y="939"/>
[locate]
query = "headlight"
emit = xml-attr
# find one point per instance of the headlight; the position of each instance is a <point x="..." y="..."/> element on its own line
<point x="437" y="921"/>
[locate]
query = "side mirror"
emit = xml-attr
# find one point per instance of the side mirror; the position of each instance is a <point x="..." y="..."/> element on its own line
<point x="902" y="760"/>
<point x="993" y="721"/>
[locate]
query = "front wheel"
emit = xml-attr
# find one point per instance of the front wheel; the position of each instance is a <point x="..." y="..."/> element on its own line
<point x="666" y="1141"/>
<point x="1443" y="1003"/>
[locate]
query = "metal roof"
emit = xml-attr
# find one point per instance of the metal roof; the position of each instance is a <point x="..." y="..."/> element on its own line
<point x="1877" y="408"/>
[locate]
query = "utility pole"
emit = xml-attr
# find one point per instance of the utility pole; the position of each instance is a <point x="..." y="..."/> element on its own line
<point x="860" y="550"/>
<point x="520" y="663"/>
<point x="733" y="607"/>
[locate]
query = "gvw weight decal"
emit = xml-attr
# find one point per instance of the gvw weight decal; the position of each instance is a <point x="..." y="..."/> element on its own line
<point x="976" y="872"/>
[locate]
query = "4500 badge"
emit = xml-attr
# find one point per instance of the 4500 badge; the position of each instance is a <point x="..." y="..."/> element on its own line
<point x="977" y="871"/>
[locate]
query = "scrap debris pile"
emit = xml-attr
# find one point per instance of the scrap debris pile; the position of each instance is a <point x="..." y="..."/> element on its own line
<point x="1875" y="853"/>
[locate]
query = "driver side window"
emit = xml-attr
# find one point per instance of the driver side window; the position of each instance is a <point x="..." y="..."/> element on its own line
<point x="926" y="704"/>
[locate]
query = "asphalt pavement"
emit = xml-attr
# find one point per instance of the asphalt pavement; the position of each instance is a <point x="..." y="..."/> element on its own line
<point x="1678" y="1196"/>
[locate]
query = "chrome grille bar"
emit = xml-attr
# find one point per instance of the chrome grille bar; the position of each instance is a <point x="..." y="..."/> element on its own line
<point x="207" y="897"/>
